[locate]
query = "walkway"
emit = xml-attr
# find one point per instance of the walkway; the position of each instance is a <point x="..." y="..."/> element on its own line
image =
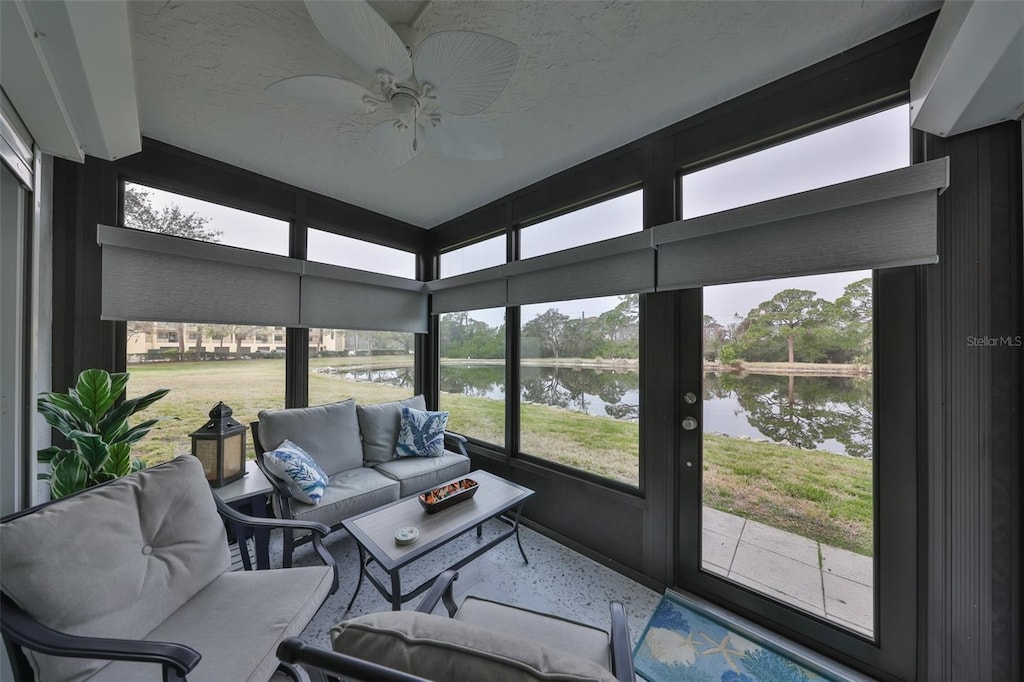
<point x="826" y="581"/>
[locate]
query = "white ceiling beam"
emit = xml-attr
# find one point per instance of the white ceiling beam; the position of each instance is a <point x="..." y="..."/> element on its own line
<point x="971" y="72"/>
<point x="82" y="98"/>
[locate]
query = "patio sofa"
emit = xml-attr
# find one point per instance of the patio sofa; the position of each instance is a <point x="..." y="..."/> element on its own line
<point x="133" y="576"/>
<point x="355" y="446"/>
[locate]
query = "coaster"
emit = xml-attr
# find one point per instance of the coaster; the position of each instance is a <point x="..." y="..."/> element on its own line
<point x="406" y="536"/>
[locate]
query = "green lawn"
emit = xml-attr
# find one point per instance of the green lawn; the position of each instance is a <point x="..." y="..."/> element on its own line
<point x="816" y="494"/>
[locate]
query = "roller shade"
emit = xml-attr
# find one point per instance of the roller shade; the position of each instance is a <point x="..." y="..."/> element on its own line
<point x="885" y="220"/>
<point x="336" y="297"/>
<point x="623" y="265"/>
<point x="149" y="276"/>
<point x="471" y="291"/>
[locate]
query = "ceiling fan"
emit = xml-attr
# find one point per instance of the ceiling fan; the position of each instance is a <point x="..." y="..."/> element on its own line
<point x="435" y="88"/>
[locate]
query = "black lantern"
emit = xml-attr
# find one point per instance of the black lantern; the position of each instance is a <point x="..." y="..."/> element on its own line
<point x="220" y="446"/>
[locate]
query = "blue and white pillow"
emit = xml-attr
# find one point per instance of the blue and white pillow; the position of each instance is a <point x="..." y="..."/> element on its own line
<point x="293" y="465"/>
<point x="421" y="433"/>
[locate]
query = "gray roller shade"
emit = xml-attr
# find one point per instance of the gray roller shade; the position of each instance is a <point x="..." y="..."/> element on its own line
<point x="471" y="291"/>
<point x="335" y="297"/>
<point x="885" y="220"/>
<point x="148" y="276"/>
<point x="623" y="265"/>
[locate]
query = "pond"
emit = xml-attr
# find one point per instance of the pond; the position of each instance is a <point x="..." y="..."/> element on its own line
<point x="811" y="412"/>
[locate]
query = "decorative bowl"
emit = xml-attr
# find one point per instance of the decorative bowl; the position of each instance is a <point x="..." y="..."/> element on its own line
<point x="445" y="496"/>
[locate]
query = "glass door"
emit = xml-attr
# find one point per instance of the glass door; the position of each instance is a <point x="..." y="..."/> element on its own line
<point x="787" y="492"/>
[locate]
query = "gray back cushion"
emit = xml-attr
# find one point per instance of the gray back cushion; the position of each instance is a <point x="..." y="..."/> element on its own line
<point x="380" y="425"/>
<point x="116" y="560"/>
<point x="437" y="648"/>
<point x="329" y="433"/>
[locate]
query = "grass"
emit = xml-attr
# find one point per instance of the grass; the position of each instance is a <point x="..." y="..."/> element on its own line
<point x="815" y="494"/>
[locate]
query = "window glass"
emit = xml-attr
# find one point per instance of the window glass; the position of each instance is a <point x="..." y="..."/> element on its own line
<point x="372" y="367"/>
<point x="334" y="249"/>
<point x="201" y="364"/>
<point x="611" y="218"/>
<point x="580" y="385"/>
<point x="472" y="374"/>
<point x="155" y="210"/>
<point x="870" y="145"/>
<point x="788" y="407"/>
<point x="484" y="254"/>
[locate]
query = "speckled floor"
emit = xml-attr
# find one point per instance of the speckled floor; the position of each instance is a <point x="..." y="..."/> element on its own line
<point x="557" y="580"/>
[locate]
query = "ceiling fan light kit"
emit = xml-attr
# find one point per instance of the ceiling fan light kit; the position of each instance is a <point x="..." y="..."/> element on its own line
<point x="437" y="95"/>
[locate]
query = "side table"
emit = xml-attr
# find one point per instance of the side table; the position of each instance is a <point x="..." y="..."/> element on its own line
<point x="249" y="496"/>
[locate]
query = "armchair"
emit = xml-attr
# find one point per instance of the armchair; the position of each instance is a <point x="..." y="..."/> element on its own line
<point x="130" y="580"/>
<point x="479" y="640"/>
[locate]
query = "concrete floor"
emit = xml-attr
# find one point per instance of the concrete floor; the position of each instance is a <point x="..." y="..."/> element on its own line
<point x="823" y="580"/>
<point x="826" y="581"/>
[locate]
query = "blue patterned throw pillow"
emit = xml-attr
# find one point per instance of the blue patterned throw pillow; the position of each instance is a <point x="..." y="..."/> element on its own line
<point x="421" y="433"/>
<point x="293" y="465"/>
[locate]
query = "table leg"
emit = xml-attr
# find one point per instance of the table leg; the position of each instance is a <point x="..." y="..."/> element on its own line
<point x="362" y="570"/>
<point x="261" y="535"/>
<point x="479" y="530"/>
<point x="396" y="590"/>
<point x="239" y="532"/>
<point x="519" y="542"/>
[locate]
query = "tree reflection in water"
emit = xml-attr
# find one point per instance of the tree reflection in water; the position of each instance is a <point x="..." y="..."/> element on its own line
<point x="802" y="410"/>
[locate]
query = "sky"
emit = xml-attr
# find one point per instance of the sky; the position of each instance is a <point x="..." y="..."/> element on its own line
<point x="870" y="145"/>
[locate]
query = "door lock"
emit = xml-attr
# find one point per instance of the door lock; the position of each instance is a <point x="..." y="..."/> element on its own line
<point x="689" y="423"/>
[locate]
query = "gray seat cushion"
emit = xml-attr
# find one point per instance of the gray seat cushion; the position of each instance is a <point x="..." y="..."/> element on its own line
<point x="583" y="640"/>
<point x="329" y="433"/>
<point x="438" y="648"/>
<point x="115" y="561"/>
<point x="236" y="623"/>
<point x="347" y="494"/>
<point x="380" y="424"/>
<point x="416" y="474"/>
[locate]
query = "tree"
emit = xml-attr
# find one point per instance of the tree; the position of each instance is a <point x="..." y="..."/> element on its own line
<point x="789" y="314"/>
<point x="549" y="328"/>
<point x="140" y="215"/>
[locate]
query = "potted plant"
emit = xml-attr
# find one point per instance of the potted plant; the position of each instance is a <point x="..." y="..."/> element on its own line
<point x="98" y="431"/>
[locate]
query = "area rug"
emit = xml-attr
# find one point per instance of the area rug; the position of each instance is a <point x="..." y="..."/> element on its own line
<point x="684" y="642"/>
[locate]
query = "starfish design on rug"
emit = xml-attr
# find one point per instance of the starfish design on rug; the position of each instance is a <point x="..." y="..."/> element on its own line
<point x="723" y="648"/>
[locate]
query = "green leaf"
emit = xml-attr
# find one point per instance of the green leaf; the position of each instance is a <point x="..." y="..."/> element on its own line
<point x="148" y="399"/>
<point x="135" y="434"/>
<point x="118" y="382"/>
<point x="69" y="403"/>
<point x="137" y="464"/>
<point x="59" y="418"/>
<point x="69" y="475"/>
<point x="119" y="461"/>
<point x="92" y="448"/>
<point x="46" y="455"/>
<point x="93" y="391"/>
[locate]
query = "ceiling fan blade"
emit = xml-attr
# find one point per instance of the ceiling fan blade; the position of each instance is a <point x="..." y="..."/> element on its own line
<point x="393" y="145"/>
<point x="467" y="70"/>
<point x="339" y="94"/>
<point x="355" y="30"/>
<point x="465" y="137"/>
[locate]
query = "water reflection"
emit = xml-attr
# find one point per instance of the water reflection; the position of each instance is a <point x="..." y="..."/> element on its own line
<point x="809" y="412"/>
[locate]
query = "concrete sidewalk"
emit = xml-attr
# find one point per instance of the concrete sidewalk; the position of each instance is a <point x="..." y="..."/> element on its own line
<point x="827" y="581"/>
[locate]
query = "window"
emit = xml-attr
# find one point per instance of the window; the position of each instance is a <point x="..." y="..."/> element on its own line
<point x="218" y="365"/>
<point x="611" y="218"/>
<point x="483" y="254"/>
<point x="788" y="404"/>
<point x="370" y="366"/>
<point x="334" y="249"/>
<point x="472" y="373"/>
<point x="580" y="385"/>
<point x="155" y="210"/>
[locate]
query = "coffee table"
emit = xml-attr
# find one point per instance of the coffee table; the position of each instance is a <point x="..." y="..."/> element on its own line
<point x="374" y="531"/>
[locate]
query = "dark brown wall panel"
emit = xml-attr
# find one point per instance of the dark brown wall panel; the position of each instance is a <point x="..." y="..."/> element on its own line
<point x="973" y="334"/>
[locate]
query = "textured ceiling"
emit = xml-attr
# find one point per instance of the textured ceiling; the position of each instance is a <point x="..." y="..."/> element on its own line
<point x="591" y="76"/>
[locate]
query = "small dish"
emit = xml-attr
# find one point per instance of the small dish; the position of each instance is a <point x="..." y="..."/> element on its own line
<point x="445" y="496"/>
<point x="406" y="536"/>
